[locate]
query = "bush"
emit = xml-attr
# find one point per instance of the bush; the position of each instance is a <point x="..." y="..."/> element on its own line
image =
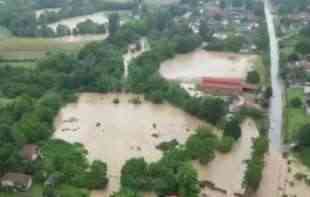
<point x="165" y="146"/>
<point x="232" y="129"/>
<point x="135" y="100"/>
<point x="253" y="77"/>
<point x="226" y="144"/>
<point x="296" y="102"/>
<point x="116" y="100"/>
<point x="303" y="136"/>
<point x="201" y="146"/>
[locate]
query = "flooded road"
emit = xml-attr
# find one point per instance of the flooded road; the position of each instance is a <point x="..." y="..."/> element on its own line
<point x="276" y="102"/>
<point x="275" y="175"/>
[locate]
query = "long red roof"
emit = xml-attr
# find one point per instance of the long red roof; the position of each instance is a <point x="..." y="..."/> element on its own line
<point x="226" y="83"/>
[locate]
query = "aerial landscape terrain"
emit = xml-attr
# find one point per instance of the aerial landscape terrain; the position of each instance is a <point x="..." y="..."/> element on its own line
<point x="154" y="98"/>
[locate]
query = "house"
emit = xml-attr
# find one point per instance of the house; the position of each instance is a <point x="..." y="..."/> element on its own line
<point x="30" y="152"/>
<point x="226" y="86"/>
<point x="17" y="181"/>
<point x="306" y="65"/>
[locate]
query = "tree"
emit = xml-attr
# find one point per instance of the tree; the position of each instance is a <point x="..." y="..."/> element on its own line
<point x="134" y="175"/>
<point x="201" y="145"/>
<point x="303" y="46"/>
<point x="212" y="109"/>
<point x="50" y="191"/>
<point x="63" y="30"/>
<point x="204" y="31"/>
<point x="303" y="137"/>
<point x="114" y="23"/>
<point x="226" y="144"/>
<point x="97" y="177"/>
<point x="233" y="43"/>
<point x="187" y="179"/>
<point x="253" y="174"/>
<point x="89" y="27"/>
<point x="232" y="128"/>
<point x="253" y="77"/>
<point x="187" y="43"/>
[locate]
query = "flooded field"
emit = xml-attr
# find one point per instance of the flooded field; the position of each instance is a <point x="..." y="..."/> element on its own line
<point x="226" y="171"/>
<point x="201" y="63"/>
<point x="115" y="133"/>
<point x="296" y="187"/>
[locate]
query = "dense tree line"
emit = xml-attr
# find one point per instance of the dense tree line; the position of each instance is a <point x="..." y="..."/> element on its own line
<point x="173" y="174"/>
<point x="255" y="166"/>
<point x="37" y="96"/>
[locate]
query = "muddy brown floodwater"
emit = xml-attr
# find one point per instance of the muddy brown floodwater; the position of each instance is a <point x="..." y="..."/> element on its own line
<point x="115" y="133"/>
<point x="201" y="63"/>
<point x="226" y="171"/>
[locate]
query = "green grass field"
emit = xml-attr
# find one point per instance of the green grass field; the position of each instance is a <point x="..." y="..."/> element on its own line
<point x="296" y="117"/>
<point x="35" y="191"/>
<point x="263" y="72"/>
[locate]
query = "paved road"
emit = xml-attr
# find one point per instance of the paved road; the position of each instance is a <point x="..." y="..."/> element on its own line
<point x="276" y="102"/>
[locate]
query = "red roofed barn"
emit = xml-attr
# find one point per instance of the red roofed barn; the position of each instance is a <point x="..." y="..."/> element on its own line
<point x="230" y="86"/>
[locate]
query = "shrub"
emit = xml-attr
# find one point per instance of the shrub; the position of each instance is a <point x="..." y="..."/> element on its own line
<point x="116" y="100"/>
<point x="165" y="146"/>
<point x="232" y="129"/>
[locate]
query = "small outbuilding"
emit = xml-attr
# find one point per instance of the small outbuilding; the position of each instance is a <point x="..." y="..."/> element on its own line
<point x="30" y="152"/>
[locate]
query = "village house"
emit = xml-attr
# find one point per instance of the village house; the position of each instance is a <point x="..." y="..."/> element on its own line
<point x="30" y="152"/>
<point x="16" y="181"/>
<point x="307" y="99"/>
<point x="306" y="65"/>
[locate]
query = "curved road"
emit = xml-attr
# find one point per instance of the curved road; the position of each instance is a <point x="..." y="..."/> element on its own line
<point x="276" y="102"/>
